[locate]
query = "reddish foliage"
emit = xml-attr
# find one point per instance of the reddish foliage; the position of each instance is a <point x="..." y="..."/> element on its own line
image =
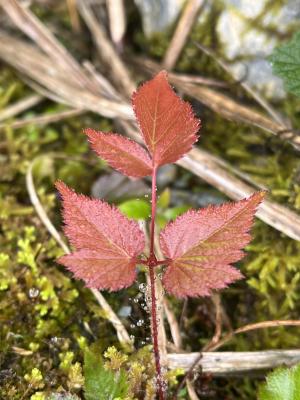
<point x="121" y="153"/>
<point x="202" y="244"/>
<point x="167" y="123"/>
<point x="108" y="243"/>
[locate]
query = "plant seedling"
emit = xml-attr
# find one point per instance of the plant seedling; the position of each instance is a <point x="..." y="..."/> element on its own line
<point x="199" y="246"/>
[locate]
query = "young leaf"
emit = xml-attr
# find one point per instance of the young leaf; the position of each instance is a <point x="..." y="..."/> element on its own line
<point x="202" y="244"/>
<point x="286" y="64"/>
<point x="167" y="123"/>
<point x="282" y="384"/>
<point x="135" y="209"/>
<point x="121" y="153"/>
<point x="107" y="243"/>
<point x="102" y="383"/>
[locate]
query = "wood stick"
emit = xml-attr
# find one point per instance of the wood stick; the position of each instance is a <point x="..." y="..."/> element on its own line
<point x="252" y="327"/>
<point x="36" y="30"/>
<point x="235" y="363"/>
<point x="181" y="33"/>
<point x="73" y="15"/>
<point x="173" y="324"/>
<point x="191" y="390"/>
<point x="42" y="119"/>
<point x="41" y="69"/>
<point x="201" y="80"/>
<point x="105" y="49"/>
<point x="20" y="106"/>
<point x="117" y="21"/>
<point x="216" y="299"/>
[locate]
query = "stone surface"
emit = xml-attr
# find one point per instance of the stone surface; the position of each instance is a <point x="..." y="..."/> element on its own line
<point x="244" y="30"/>
<point x="157" y="15"/>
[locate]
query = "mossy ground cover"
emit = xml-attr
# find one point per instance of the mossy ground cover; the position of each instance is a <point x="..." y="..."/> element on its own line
<point x="48" y="319"/>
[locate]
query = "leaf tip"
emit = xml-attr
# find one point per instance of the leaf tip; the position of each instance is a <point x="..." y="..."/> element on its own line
<point x="62" y="187"/>
<point x="92" y="135"/>
<point x="163" y="74"/>
<point x="257" y="198"/>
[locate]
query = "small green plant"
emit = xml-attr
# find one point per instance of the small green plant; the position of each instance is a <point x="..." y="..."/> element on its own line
<point x="281" y="384"/>
<point x="286" y="64"/>
<point x="102" y="383"/>
<point x="198" y="247"/>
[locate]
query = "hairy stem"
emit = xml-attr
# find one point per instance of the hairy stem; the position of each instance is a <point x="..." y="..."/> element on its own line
<point x="153" y="212"/>
<point x="152" y="263"/>
<point x="155" y="335"/>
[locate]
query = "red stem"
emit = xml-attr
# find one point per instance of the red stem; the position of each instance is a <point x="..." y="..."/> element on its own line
<point x="152" y="263"/>
<point x="153" y="212"/>
<point x="159" y="378"/>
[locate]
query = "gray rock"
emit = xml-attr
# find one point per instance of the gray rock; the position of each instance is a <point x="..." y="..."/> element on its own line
<point x="125" y="311"/>
<point x="115" y="187"/>
<point x="157" y="15"/>
<point x="241" y="39"/>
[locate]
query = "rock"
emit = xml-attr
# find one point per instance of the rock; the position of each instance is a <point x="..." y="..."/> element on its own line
<point x="243" y="29"/>
<point x="115" y="186"/>
<point x="157" y="15"/>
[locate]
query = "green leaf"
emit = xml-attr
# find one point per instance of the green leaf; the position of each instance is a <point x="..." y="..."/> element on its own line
<point x="164" y="199"/>
<point x="282" y="384"/>
<point x="174" y="212"/>
<point x="286" y="64"/>
<point x="102" y="383"/>
<point x="136" y="209"/>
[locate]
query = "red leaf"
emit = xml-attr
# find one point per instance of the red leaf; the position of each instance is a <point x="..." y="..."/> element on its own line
<point x="167" y="123"/>
<point x="202" y="245"/>
<point x="108" y="243"/>
<point x="121" y="153"/>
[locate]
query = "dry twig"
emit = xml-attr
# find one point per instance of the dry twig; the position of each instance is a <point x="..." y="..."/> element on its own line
<point x="181" y="33"/>
<point x="73" y="15"/>
<point x="252" y="327"/>
<point x="31" y="25"/>
<point x="235" y="363"/>
<point x="194" y="362"/>
<point x="41" y="69"/>
<point x="174" y="327"/>
<point x="216" y="299"/>
<point x="105" y="49"/>
<point x="20" y="106"/>
<point x="117" y="21"/>
<point x="42" y="119"/>
<point x="200" y="80"/>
